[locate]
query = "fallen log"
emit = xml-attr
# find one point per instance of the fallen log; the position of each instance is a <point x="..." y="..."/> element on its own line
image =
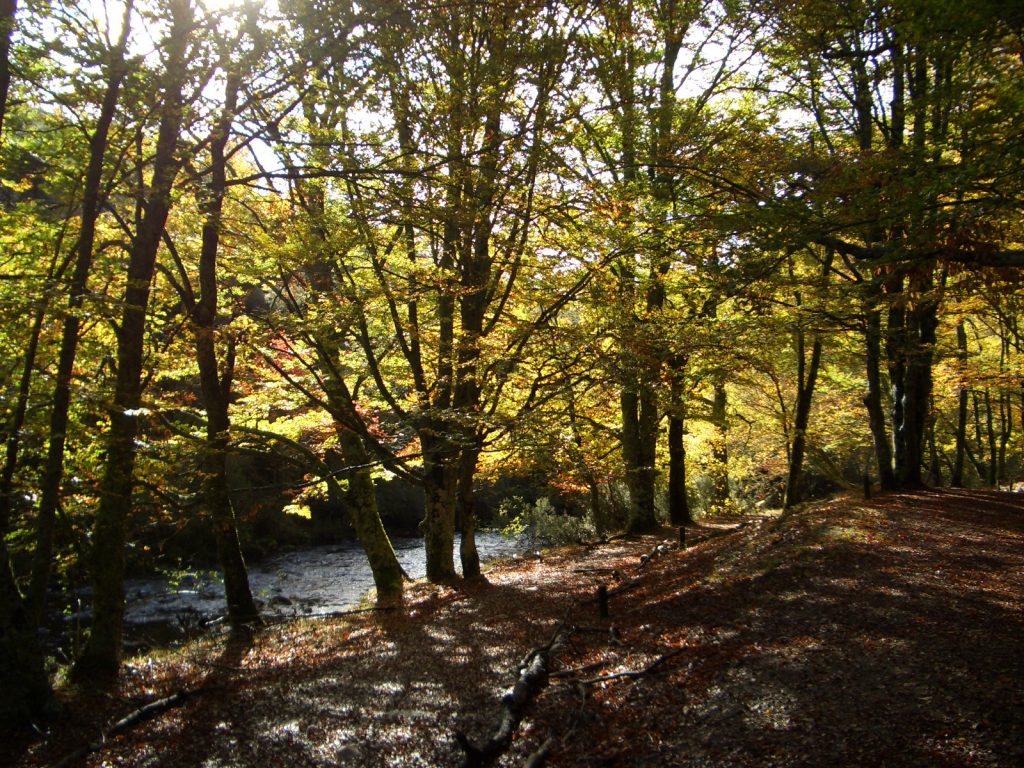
<point x="140" y="715"/>
<point x="533" y="677"/>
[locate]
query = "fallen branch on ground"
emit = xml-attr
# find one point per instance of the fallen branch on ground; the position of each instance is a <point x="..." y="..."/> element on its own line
<point x="533" y="676"/>
<point x="633" y="674"/>
<point x="140" y="715"/>
<point x="658" y="550"/>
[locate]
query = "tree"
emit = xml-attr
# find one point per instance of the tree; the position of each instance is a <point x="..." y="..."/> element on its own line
<point x="102" y="652"/>
<point x="92" y="200"/>
<point x="216" y="375"/>
<point x="27" y="692"/>
<point x="902" y="195"/>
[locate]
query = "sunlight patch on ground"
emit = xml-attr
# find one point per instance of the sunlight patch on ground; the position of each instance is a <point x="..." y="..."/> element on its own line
<point x="388" y="688"/>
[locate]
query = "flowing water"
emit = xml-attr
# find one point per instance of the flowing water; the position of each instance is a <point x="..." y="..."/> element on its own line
<point x="304" y="582"/>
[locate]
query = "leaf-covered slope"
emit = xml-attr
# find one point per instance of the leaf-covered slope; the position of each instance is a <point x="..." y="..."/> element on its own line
<point x="852" y="633"/>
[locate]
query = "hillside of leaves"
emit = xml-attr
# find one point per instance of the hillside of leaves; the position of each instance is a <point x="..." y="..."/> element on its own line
<point x="845" y="633"/>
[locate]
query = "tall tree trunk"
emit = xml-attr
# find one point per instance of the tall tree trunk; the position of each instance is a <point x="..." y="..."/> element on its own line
<point x="896" y="353"/>
<point x="362" y="501"/>
<point x="1005" y="432"/>
<point x="361" y="496"/>
<point x="26" y="688"/>
<point x="216" y="385"/>
<point x="934" y="465"/>
<point x="54" y="470"/>
<point x="992" y="480"/>
<point x="102" y="652"/>
<point x="979" y="465"/>
<point x="468" y="553"/>
<point x="440" y="484"/>
<point x="957" y="479"/>
<point x="8" y="10"/>
<point x="873" y="396"/>
<point x="720" y="448"/>
<point x="678" y="503"/>
<point x="27" y="695"/>
<point x="807" y="375"/>
<point x="919" y="339"/>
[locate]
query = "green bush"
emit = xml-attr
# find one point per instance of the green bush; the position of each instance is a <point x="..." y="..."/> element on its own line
<point x="541" y="524"/>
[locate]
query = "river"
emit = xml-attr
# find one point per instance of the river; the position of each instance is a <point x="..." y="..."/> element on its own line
<point x="304" y="582"/>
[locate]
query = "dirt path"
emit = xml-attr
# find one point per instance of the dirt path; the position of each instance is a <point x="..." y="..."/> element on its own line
<point x="881" y="633"/>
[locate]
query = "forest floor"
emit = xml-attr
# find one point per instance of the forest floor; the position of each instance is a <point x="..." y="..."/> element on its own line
<point x="865" y="633"/>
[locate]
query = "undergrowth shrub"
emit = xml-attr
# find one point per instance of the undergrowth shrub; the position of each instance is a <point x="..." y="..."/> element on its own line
<point x="541" y="524"/>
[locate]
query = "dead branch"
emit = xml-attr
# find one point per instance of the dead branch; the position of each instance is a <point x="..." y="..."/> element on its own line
<point x="140" y="715"/>
<point x="533" y="677"/>
<point x="633" y="674"/>
<point x="657" y="551"/>
<point x="563" y="673"/>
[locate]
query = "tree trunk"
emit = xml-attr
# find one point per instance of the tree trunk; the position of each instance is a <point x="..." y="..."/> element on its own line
<point x="806" y="380"/>
<point x="919" y="339"/>
<point x="957" y="480"/>
<point x="102" y="652"/>
<point x="896" y="353"/>
<point x="678" y="504"/>
<point x="27" y="695"/>
<point x="54" y="471"/>
<point x="992" y="480"/>
<point x="26" y="688"/>
<point x="596" y="508"/>
<point x="362" y="501"/>
<point x="1005" y="432"/>
<point x="440" y="482"/>
<point x="934" y="466"/>
<point x="873" y="397"/>
<point x="720" y="448"/>
<point x="467" y="513"/>
<point x="240" y="603"/>
<point x="215" y="385"/>
<point x="8" y="9"/>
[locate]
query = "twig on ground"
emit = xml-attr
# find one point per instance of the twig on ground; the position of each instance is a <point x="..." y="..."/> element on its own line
<point x="632" y="674"/>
